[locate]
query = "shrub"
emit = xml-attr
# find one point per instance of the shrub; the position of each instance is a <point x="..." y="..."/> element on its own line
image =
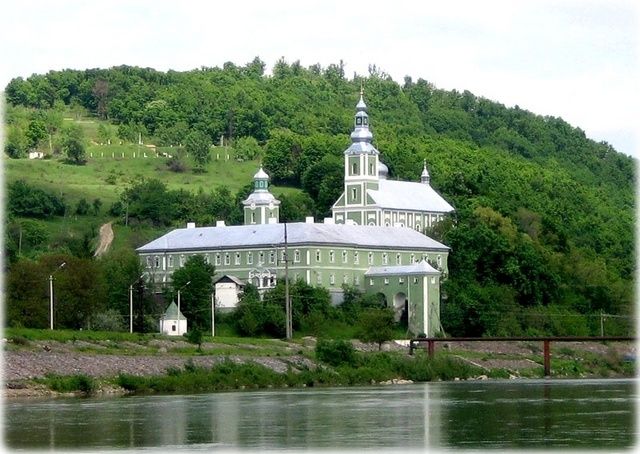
<point x="335" y="352"/>
<point x="195" y="336"/>
<point x="19" y="340"/>
<point x="67" y="384"/>
<point x="376" y="325"/>
<point x="109" y="320"/>
<point x="175" y="164"/>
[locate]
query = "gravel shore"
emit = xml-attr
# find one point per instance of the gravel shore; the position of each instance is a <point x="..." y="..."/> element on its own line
<point x="23" y="363"/>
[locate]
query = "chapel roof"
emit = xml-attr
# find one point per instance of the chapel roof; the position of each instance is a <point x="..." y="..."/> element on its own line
<point x="172" y="312"/>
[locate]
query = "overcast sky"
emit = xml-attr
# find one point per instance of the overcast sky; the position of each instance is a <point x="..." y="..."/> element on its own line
<point x="572" y="59"/>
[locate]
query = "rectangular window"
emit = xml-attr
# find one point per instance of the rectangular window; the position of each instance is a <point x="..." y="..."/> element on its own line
<point x="413" y="258"/>
<point x="433" y="280"/>
<point x="318" y="255"/>
<point x="156" y="262"/>
<point x="385" y="259"/>
<point x="386" y="281"/>
<point x="272" y="257"/>
<point x="353" y="195"/>
<point x="319" y="277"/>
<point x="148" y="262"/>
<point x="370" y="281"/>
<point x="401" y="280"/>
<point x="439" y="260"/>
<point x="249" y="258"/>
<point x="282" y="257"/>
<point x="398" y="259"/>
<point x="356" y="280"/>
<point x="237" y="259"/>
<point x="170" y="261"/>
<point x="296" y="256"/>
<point x="344" y="257"/>
<point x="206" y="258"/>
<point x="370" y="258"/>
<point x="356" y="261"/>
<point x="182" y="260"/>
<point x="415" y="280"/>
<point x="345" y="279"/>
<point x="218" y="259"/>
<point x="332" y="279"/>
<point x="227" y="259"/>
<point x="261" y="258"/>
<point x="332" y="256"/>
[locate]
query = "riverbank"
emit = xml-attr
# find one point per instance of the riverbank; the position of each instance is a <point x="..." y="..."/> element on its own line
<point x="162" y="364"/>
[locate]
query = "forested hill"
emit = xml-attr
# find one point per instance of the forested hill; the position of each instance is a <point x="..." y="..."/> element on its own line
<point x="544" y="221"/>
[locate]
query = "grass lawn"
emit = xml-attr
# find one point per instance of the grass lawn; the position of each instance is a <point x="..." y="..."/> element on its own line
<point x="106" y="177"/>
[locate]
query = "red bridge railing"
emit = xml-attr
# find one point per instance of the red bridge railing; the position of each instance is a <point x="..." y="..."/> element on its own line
<point x="431" y="343"/>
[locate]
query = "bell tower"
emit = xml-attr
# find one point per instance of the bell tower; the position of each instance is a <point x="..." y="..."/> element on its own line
<point x="360" y="164"/>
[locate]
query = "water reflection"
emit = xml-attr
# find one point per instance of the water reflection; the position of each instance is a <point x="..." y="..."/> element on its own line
<point x="471" y="414"/>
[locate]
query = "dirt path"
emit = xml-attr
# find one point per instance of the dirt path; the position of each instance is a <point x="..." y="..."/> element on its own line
<point x="106" y="237"/>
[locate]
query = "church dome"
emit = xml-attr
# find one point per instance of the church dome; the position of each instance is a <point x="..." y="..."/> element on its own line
<point x="383" y="170"/>
<point x="261" y="175"/>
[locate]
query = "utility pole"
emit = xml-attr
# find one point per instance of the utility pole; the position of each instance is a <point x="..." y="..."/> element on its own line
<point x="601" y="323"/>
<point x="51" y="294"/>
<point x="179" y="290"/>
<point x="131" y="304"/>
<point x="287" y="300"/>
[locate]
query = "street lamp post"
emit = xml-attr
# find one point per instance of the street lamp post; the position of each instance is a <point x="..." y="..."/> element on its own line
<point x="213" y="315"/>
<point x="131" y="303"/>
<point x="179" y="290"/>
<point x="51" y="294"/>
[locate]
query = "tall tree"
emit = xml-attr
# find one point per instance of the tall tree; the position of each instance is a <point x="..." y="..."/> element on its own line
<point x="195" y="297"/>
<point x="198" y="144"/>
<point x="73" y="144"/>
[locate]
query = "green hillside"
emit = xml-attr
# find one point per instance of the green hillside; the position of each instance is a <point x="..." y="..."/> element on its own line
<point x="542" y="238"/>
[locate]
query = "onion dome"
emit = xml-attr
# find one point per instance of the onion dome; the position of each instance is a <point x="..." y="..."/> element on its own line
<point x="383" y="170"/>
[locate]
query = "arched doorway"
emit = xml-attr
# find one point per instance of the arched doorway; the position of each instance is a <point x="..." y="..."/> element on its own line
<point x="401" y="308"/>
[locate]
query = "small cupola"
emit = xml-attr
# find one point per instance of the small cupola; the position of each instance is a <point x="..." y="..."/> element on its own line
<point x="424" y="177"/>
<point x="261" y="180"/>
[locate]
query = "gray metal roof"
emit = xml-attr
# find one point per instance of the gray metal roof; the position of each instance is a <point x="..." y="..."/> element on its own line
<point x="407" y="195"/>
<point x="361" y="147"/>
<point x="421" y="267"/>
<point x="298" y="234"/>
<point x="233" y="279"/>
<point x="261" y="197"/>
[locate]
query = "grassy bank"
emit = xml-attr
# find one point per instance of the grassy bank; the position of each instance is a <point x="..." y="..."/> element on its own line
<point x="229" y="375"/>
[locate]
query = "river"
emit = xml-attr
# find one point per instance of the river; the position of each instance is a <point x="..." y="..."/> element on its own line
<point x="474" y="414"/>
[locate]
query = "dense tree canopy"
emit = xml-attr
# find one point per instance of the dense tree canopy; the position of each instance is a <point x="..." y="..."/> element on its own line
<point x="544" y="216"/>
